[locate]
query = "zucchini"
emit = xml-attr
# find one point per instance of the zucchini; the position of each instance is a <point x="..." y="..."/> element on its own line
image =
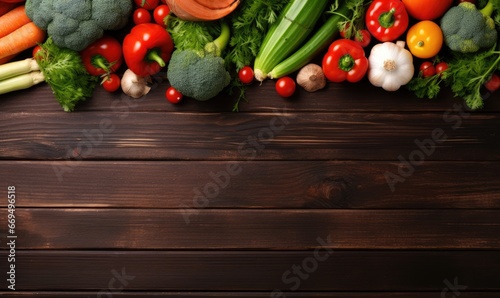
<point x="293" y="26"/>
<point x="316" y="44"/>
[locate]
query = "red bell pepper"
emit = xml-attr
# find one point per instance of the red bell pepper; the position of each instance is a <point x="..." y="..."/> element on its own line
<point x="104" y="56"/>
<point x="386" y="19"/>
<point x="345" y="60"/>
<point x="147" y="48"/>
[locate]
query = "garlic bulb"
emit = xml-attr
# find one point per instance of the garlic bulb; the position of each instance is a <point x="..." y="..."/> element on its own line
<point x="391" y="65"/>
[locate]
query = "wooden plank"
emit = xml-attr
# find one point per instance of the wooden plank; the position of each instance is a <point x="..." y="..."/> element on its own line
<point x="253" y="184"/>
<point x="88" y="294"/>
<point x="264" y="136"/>
<point x="255" y="229"/>
<point x="256" y="271"/>
<point x="345" y="97"/>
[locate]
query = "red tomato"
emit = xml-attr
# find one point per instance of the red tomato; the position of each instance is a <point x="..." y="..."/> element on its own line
<point x="147" y="4"/>
<point x="493" y="83"/>
<point x="441" y="66"/>
<point x="363" y="37"/>
<point x="173" y="95"/>
<point x="111" y="83"/>
<point x="427" y="69"/>
<point x="285" y="86"/>
<point x="160" y="13"/>
<point x="246" y="75"/>
<point x="141" y="16"/>
<point x="427" y="9"/>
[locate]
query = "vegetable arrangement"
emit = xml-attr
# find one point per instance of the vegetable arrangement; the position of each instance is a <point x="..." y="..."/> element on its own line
<point x="206" y="47"/>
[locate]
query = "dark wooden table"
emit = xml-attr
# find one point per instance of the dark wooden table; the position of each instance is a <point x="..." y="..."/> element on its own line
<point x="348" y="192"/>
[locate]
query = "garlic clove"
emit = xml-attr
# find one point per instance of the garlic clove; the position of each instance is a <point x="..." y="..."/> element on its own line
<point x="134" y="85"/>
<point x="311" y="77"/>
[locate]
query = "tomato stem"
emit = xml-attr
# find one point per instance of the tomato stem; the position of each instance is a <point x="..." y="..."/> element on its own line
<point x="387" y="19"/>
<point x="100" y="62"/>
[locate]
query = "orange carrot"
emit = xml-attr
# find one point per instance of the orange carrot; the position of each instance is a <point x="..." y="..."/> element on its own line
<point x="6" y="7"/>
<point x="22" y="39"/>
<point x="13" y="20"/>
<point x="6" y="59"/>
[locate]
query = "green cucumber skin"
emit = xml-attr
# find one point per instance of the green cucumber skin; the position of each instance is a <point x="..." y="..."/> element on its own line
<point x="273" y="53"/>
<point x="316" y="44"/>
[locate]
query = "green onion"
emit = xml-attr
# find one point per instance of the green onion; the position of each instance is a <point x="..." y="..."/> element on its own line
<point x="21" y="82"/>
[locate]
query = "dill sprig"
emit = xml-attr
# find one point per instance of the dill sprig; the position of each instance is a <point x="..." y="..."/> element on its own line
<point x="250" y="23"/>
<point x="65" y="73"/>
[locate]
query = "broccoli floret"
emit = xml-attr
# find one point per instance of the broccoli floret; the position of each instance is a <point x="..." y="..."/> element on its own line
<point x="76" y="24"/>
<point x="467" y="29"/>
<point x="195" y="76"/>
<point x="200" y="75"/>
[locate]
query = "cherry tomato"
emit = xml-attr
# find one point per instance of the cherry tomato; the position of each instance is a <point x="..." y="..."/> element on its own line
<point x="493" y="83"/>
<point x="343" y="32"/>
<point x="141" y="16"/>
<point x="160" y="13"/>
<point x="285" y="86"/>
<point x="441" y="66"/>
<point x="35" y="51"/>
<point x="363" y="37"/>
<point x="111" y="83"/>
<point x="424" y="39"/>
<point x="173" y="95"/>
<point x="427" y="69"/>
<point x="147" y="4"/>
<point x="246" y="75"/>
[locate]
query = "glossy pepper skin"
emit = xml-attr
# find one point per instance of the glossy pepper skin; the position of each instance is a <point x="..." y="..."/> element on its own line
<point x="104" y="56"/>
<point x="386" y="19"/>
<point x="345" y="61"/>
<point x="147" y="48"/>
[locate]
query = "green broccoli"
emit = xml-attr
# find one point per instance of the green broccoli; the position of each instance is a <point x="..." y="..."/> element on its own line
<point x="76" y="24"/>
<point x="200" y="74"/>
<point x="467" y="29"/>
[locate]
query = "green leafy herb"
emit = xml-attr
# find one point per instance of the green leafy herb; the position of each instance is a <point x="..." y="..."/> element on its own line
<point x="468" y="73"/>
<point x="190" y="35"/>
<point x="465" y="75"/>
<point x="65" y="73"/>
<point x="351" y="26"/>
<point x="426" y="87"/>
<point x="250" y="22"/>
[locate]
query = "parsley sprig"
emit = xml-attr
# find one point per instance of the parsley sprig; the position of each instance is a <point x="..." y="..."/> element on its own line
<point x="465" y="76"/>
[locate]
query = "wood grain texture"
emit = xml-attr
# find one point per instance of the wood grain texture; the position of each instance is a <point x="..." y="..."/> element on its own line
<point x="104" y="193"/>
<point x="255" y="229"/>
<point x="344" y="97"/>
<point x="256" y="271"/>
<point x="293" y="184"/>
<point x="264" y="136"/>
<point x="140" y="294"/>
